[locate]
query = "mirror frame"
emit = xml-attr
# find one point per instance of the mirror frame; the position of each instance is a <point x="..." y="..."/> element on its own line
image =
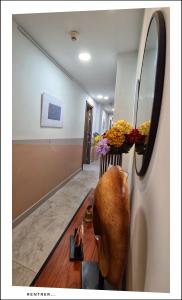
<point x="158" y="89"/>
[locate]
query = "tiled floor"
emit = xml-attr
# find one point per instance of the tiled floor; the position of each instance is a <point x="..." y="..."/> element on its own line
<point x="35" y="236"/>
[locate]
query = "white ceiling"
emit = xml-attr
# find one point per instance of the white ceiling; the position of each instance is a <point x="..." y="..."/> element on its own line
<point x="103" y="34"/>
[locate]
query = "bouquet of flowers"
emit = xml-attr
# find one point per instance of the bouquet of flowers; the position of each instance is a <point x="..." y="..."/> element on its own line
<point x="119" y="139"/>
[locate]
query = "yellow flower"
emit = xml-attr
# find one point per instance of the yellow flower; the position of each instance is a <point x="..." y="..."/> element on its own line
<point x="124" y="126"/>
<point x="144" y="128"/>
<point x="97" y="139"/>
<point x="115" y="137"/>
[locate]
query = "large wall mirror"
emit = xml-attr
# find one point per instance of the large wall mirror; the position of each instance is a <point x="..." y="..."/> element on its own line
<point x="150" y="90"/>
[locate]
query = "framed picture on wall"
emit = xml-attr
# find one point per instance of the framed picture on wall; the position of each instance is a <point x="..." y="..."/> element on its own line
<point x="51" y="111"/>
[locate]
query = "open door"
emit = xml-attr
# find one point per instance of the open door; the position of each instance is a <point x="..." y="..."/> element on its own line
<point x="87" y="143"/>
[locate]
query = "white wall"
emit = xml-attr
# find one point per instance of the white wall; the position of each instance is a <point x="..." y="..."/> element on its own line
<point x="125" y="86"/>
<point x="125" y="98"/>
<point x="33" y="74"/>
<point x="97" y="114"/>
<point x="149" y="258"/>
<point x="104" y="122"/>
<point x="147" y="87"/>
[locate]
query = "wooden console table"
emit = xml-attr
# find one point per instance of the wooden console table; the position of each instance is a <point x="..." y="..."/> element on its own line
<point x="58" y="271"/>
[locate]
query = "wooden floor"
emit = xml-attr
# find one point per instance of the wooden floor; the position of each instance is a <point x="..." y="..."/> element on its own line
<point x="58" y="271"/>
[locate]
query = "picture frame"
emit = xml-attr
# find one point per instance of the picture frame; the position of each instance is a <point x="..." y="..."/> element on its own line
<point x="51" y="111"/>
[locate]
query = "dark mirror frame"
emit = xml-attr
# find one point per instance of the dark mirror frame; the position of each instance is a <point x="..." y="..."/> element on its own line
<point x="158" y="89"/>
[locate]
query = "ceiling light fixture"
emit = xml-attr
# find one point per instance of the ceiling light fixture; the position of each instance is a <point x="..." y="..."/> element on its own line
<point x="112" y="109"/>
<point x="99" y="97"/>
<point x="84" y="56"/>
<point x="106" y="97"/>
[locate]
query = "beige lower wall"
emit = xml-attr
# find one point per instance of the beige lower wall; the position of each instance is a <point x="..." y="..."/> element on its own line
<point x="38" y="168"/>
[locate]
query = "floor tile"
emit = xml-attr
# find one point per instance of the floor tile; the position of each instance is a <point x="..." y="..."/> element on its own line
<point x="21" y="276"/>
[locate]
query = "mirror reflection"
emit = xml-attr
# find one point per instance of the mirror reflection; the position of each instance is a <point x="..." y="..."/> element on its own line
<point x="146" y="93"/>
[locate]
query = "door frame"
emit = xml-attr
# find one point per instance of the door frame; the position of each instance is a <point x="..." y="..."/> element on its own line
<point x="87" y="105"/>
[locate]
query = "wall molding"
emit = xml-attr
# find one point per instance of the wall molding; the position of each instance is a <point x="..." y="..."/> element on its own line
<point x="27" y="212"/>
<point x="73" y="141"/>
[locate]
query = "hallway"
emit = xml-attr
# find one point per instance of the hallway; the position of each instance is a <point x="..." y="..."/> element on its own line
<point x="36" y="235"/>
<point x="86" y="83"/>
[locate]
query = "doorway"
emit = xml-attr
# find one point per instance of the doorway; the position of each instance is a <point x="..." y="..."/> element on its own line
<point x="87" y="142"/>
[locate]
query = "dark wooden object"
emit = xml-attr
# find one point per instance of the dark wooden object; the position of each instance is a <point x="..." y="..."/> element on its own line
<point x="87" y="142"/>
<point x="76" y="253"/>
<point x="58" y="271"/>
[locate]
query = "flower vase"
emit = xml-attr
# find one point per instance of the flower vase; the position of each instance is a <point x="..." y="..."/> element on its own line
<point x="110" y="158"/>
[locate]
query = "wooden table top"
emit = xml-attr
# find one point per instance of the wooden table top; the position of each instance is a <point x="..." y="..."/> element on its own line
<point x="58" y="271"/>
